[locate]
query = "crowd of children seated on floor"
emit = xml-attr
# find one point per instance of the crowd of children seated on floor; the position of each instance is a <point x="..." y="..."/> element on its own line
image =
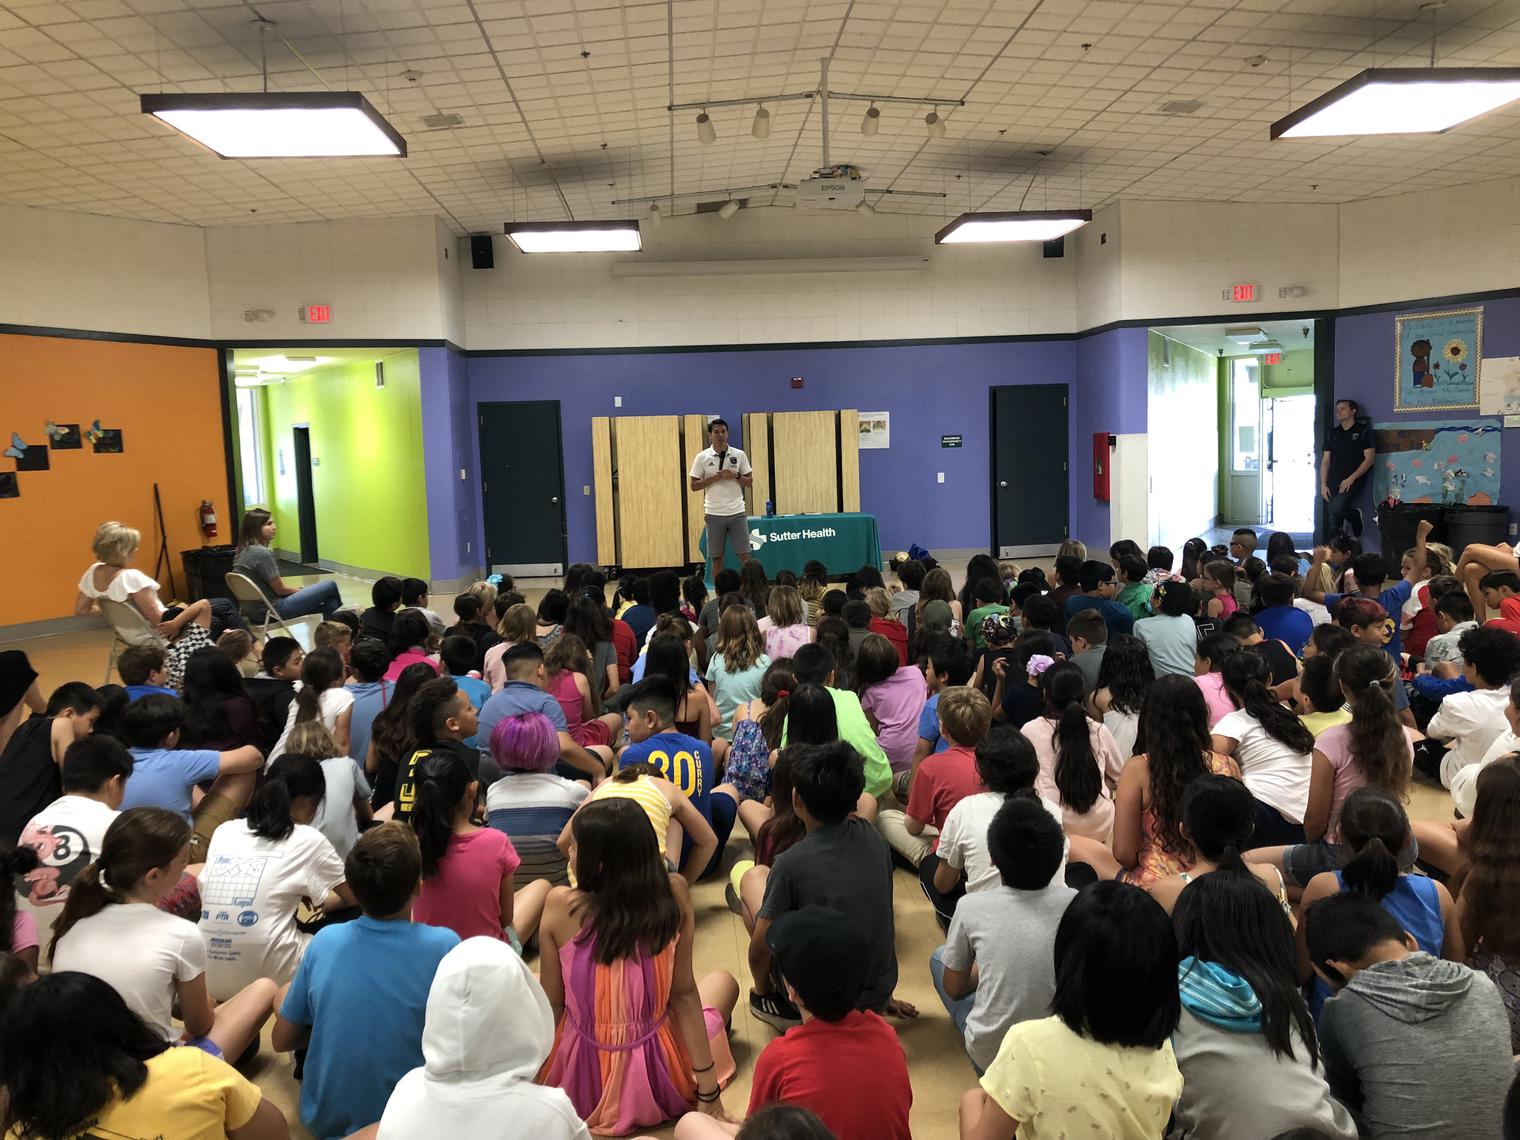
<point x="1157" y="805"/>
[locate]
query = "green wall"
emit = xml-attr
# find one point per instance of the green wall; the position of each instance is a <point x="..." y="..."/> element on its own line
<point x="367" y="472"/>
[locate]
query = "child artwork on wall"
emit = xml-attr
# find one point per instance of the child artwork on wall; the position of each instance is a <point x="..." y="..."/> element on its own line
<point x="64" y="437"/>
<point x="1438" y="358"/>
<point x="105" y="441"/>
<point x="28" y="457"/>
<point x="1437" y="462"/>
<point x="10" y="486"/>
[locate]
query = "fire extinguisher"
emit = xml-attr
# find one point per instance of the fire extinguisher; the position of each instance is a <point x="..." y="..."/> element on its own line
<point x="207" y="514"/>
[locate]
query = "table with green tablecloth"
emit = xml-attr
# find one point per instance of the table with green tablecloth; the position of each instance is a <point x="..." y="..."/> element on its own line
<point x="843" y="542"/>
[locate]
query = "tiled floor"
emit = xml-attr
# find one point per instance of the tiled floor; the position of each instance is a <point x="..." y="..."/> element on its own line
<point x="940" y="1070"/>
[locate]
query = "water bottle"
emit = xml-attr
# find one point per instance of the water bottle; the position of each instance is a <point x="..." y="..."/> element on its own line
<point x="770" y="508"/>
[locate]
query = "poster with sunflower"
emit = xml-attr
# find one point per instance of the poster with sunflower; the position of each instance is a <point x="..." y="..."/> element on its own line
<point x="1438" y="359"/>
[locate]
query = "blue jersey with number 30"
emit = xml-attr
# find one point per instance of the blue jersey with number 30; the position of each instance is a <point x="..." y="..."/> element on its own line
<point x="683" y="760"/>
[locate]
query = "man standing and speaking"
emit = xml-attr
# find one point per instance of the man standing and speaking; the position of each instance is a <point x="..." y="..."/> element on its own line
<point x="721" y="473"/>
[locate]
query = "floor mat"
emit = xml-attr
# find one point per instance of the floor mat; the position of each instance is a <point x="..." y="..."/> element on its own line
<point x="299" y="569"/>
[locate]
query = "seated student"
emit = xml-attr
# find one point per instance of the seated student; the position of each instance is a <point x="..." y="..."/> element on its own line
<point x="566" y="668"/>
<point x="1500" y="589"/>
<point x="1470" y="721"/>
<point x="1371" y="572"/>
<point x="182" y="643"/>
<point x="737" y="665"/>
<point x="683" y="760"/>
<point x="1246" y="1043"/>
<point x="523" y="692"/>
<point x="346" y="790"/>
<point x="359" y="1046"/>
<point x="337" y="636"/>
<point x="473" y="624"/>
<point x="1212" y="652"/>
<point x="784" y="625"/>
<point x="456" y="654"/>
<point x="442" y="720"/>
<point x="380" y="618"/>
<point x="813" y="665"/>
<point x="640" y="616"/>
<point x="1067" y="572"/>
<point x="530" y="804"/>
<point x="1282" y="665"/>
<point x="123" y="1079"/>
<point x="391" y="744"/>
<point x="164" y="776"/>
<point x="408" y="644"/>
<point x="1016" y="696"/>
<point x="1079" y="761"/>
<point x="1124" y="677"/>
<point x="371" y="693"/>
<point x="995" y="968"/>
<point x="944" y="662"/>
<point x="241" y="650"/>
<point x="639" y="1039"/>
<point x="1272" y="747"/>
<point x="671" y="816"/>
<point x="516" y="627"/>
<point x="144" y="670"/>
<point x="1217" y="581"/>
<point x="29" y="763"/>
<point x="1387" y="1036"/>
<point x="942" y="780"/>
<point x="893" y="696"/>
<point x="885" y="622"/>
<point x="1418" y="619"/>
<point x="1318" y="699"/>
<point x="1159" y="561"/>
<point x="1453" y="618"/>
<point x="857" y="618"/>
<point x="1040" y="615"/>
<point x="1218" y="816"/>
<point x="274" y="688"/>
<point x="1135" y="592"/>
<point x="1088" y="634"/>
<point x="322" y="698"/>
<point x="414" y="596"/>
<point x="66" y="834"/>
<point x="112" y="927"/>
<point x="840" y="863"/>
<point x="1101" y="1064"/>
<point x="725" y="582"/>
<point x="988" y="598"/>
<point x="1098" y="589"/>
<point x="1279" y="619"/>
<point x="295" y="861"/>
<point x="480" y="1085"/>
<point x="1170" y="635"/>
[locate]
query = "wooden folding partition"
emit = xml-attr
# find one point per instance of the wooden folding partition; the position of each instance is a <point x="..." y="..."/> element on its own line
<point x="645" y="516"/>
<point x="757" y="445"/>
<point x="809" y="462"/>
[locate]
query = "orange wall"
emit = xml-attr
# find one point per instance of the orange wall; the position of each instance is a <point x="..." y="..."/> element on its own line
<point x="167" y="403"/>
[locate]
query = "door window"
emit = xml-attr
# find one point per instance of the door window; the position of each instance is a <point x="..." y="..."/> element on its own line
<point x="1245" y="415"/>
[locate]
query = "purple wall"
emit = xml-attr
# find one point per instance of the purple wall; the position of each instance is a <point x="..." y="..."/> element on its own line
<point x="1365" y="353"/>
<point x="446" y="448"/>
<point x="931" y="390"/>
<point x="1110" y="396"/>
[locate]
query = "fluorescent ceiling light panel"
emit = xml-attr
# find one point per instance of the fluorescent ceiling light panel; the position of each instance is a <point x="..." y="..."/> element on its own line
<point x="575" y="237"/>
<point x="1402" y="101"/>
<point x="1022" y="225"/>
<point x="280" y="124"/>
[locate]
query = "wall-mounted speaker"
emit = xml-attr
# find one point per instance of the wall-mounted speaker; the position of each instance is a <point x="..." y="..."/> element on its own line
<point x="482" y="252"/>
<point x="1056" y="247"/>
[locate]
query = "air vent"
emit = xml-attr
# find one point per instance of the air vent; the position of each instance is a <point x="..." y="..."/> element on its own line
<point x="440" y="120"/>
<point x="715" y="206"/>
<point x="1181" y="107"/>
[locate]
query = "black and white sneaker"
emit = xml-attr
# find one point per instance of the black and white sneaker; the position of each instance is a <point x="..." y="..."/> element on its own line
<point x="774" y="1010"/>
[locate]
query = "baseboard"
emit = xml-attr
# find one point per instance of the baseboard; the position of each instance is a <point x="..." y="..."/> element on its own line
<point x="52" y="627"/>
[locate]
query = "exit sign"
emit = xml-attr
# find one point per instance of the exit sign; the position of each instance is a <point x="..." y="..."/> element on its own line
<point x="1242" y="292"/>
<point x="1272" y="358"/>
<point x="315" y="314"/>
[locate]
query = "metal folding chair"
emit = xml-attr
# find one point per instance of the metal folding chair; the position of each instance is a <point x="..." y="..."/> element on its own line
<point x="251" y="598"/>
<point x="130" y="628"/>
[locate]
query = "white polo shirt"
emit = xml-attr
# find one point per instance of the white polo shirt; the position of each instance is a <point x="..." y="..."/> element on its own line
<point x="725" y="497"/>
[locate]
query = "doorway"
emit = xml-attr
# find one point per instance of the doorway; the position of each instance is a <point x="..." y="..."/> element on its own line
<point x="1290" y="480"/>
<point x="306" y="502"/>
<point x="1029" y="449"/>
<point x="522" y="486"/>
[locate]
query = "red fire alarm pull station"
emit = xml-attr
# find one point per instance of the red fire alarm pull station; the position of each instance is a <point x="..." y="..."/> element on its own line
<point x="1102" y="442"/>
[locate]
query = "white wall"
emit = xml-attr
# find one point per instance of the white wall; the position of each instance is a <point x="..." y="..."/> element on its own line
<point x="1182" y="420"/>
<point x="1098" y="249"/>
<point x="451" y="259"/>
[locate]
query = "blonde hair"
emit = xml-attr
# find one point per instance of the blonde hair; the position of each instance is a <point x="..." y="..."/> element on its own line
<point x="783" y="605"/>
<point x="740" y="642"/>
<point x="518" y="624"/>
<point x="876" y="598"/>
<point x="236" y="644"/>
<point x="1074" y="547"/>
<point x="1008" y="571"/>
<point x="487" y="595"/>
<point x="115" y="542"/>
<point x="965" y="713"/>
<point x="330" y="634"/>
<point x="311" y="738"/>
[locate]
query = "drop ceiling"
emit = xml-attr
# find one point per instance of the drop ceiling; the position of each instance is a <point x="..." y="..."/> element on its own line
<point x="1215" y="339"/>
<point x="564" y="102"/>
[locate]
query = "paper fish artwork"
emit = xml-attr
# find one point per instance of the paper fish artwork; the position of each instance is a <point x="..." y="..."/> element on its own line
<point x="28" y="457"/>
<point x="1467" y="472"/>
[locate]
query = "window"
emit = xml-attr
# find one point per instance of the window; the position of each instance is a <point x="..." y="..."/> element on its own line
<point x="251" y="445"/>
<point x="1245" y="414"/>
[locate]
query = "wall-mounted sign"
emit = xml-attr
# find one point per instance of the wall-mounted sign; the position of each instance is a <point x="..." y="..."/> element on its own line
<point x="1272" y="358"/>
<point x="1243" y="292"/>
<point x="315" y="314"/>
<point x="949" y="441"/>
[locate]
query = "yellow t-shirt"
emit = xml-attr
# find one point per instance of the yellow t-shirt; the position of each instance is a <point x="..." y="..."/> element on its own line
<point x="1318" y="722"/>
<point x="1058" y="1083"/>
<point x="189" y="1095"/>
<point x="643" y="792"/>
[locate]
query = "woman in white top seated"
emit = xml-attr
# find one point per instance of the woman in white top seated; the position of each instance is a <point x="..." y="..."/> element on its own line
<point x="113" y="577"/>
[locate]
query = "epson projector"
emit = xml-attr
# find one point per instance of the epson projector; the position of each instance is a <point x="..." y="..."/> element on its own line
<point x="835" y="189"/>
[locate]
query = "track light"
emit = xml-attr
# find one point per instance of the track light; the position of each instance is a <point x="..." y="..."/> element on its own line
<point x="761" y="127"/>
<point x="706" y="132"/>
<point x="872" y="121"/>
<point x="655" y="217"/>
<point x="728" y="209"/>
<point x="935" y="124"/>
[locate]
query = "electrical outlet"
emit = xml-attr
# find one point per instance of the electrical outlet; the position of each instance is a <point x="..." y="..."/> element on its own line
<point x="462" y="475"/>
<point x="940" y="478"/>
<point x="586" y="489"/>
<point x="617" y="401"/>
<point x="1514" y="529"/>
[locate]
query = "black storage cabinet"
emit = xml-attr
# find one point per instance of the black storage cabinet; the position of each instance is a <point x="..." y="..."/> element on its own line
<point x="206" y="571"/>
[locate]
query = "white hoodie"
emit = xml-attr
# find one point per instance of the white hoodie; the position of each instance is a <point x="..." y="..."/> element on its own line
<point x="488" y="1030"/>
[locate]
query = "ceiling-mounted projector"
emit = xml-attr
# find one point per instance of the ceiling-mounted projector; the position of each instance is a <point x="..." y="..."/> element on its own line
<point x="832" y="188"/>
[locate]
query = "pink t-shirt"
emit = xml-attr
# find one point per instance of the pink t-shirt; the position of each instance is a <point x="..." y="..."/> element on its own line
<point x="786" y="640"/>
<point x="1214" y="697"/>
<point x="23" y="932"/>
<point x="564" y="690"/>
<point x="1096" y="821"/>
<point x="1335" y="745"/>
<point x="896" y="704"/>
<point x="1227" y="604"/>
<point x="465" y="894"/>
<point x="410" y="657"/>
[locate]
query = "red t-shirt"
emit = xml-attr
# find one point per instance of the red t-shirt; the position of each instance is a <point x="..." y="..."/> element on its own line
<point x="626" y="646"/>
<point x="465" y="894"/>
<point x="1422" y="626"/>
<point x="895" y="632"/>
<point x="850" y="1073"/>
<point x="944" y="779"/>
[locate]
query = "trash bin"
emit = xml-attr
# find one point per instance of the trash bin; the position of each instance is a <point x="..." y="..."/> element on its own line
<point x="1397" y="525"/>
<point x="1466" y="525"/>
<point x="206" y="571"/>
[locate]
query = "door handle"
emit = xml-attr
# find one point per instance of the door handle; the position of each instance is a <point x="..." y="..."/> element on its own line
<point x="555" y="499"/>
<point x="1002" y="482"/>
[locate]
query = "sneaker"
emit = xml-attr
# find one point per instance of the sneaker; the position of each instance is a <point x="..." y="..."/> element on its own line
<point x="774" y="1010"/>
<point x="1356" y="521"/>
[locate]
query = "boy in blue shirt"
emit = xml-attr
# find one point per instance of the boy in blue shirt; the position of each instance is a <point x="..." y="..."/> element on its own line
<point x="458" y="655"/>
<point x="683" y="760"/>
<point x="144" y="670"/>
<point x="357" y="1002"/>
<point x="1371" y="573"/>
<point x="945" y="662"/>
<point x="1098" y="589"/>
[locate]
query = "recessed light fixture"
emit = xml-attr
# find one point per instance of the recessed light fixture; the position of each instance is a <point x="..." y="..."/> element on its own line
<point x="1245" y="334"/>
<point x="1018" y="225"/>
<point x="280" y="124"/>
<point x="1402" y="101"/>
<point x="706" y="132"/>
<point x="575" y="237"/>
<point x="761" y="127"/>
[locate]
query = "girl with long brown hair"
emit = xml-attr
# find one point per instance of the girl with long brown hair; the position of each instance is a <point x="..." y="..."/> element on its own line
<point x="1487" y="890"/>
<point x="738" y="664"/>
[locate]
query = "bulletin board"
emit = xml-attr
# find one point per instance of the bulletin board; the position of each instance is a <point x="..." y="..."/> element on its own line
<point x="1437" y="461"/>
<point x="1438" y="361"/>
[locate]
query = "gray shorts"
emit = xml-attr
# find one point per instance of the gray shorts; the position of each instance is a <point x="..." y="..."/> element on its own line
<point x="735" y="528"/>
<point x="1305" y="860"/>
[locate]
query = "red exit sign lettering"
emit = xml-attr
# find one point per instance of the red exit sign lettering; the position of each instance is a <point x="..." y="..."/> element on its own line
<point x="315" y="314"/>
<point x="1242" y="292"/>
<point x="1272" y="358"/>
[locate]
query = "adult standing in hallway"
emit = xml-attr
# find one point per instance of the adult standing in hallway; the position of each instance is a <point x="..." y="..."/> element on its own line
<point x="722" y="473"/>
<point x="1343" y="466"/>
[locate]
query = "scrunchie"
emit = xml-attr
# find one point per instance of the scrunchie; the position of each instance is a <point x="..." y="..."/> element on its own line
<point x="782" y="694"/>
<point x="1038" y="664"/>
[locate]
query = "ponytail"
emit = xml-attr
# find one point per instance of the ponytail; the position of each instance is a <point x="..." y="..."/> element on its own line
<point x="1230" y="860"/>
<point x="1077" y="776"/>
<point x="137" y="841"/>
<point x="320" y="670"/>
<point x="1245" y="679"/>
<point x="1379" y="746"/>
<point x="776" y="689"/>
<point x="1373" y="825"/>
<point x="442" y="782"/>
<point x="290" y="778"/>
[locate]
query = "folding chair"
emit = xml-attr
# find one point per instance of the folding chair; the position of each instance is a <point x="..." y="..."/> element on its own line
<point x="251" y="598"/>
<point x="130" y="628"/>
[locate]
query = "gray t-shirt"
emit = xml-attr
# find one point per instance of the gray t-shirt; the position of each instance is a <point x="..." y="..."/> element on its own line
<point x="1172" y="643"/>
<point x="1419" y="1047"/>
<point x="1011" y="934"/>
<point x="1089" y="661"/>
<point x="847" y="866"/>
<point x="259" y="563"/>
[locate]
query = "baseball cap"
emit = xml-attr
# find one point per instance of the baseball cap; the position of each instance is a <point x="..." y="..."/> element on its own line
<point x="822" y="955"/>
